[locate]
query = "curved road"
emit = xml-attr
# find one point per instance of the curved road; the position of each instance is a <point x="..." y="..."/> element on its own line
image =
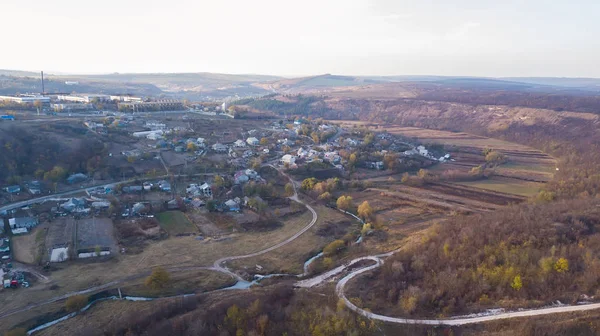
<point x="339" y="289"/>
<point x="218" y="265"/>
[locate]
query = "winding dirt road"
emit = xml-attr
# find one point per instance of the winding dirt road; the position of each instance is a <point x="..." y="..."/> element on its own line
<point x="339" y="289"/>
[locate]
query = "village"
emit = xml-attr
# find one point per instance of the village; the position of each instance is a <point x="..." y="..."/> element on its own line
<point x="177" y="169"/>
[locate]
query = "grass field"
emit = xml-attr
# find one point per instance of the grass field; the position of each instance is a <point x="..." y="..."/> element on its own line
<point x="514" y="187"/>
<point x="175" y="222"/>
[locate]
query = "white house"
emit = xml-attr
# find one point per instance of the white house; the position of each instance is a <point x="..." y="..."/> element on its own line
<point x="240" y="143"/>
<point x="289" y="159"/>
<point x="206" y="190"/>
<point x="252" y="141"/>
<point x="423" y="151"/>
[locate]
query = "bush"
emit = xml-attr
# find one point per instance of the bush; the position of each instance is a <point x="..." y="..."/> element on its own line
<point x="76" y="303"/>
<point x="158" y="279"/>
<point x="334" y="247"/>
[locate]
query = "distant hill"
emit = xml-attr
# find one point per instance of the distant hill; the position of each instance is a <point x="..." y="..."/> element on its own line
<point x="316" y="82"/>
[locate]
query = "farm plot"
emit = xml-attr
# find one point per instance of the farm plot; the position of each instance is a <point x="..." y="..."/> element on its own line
<point x="175" y="223"/>
<point x="60" y="234"/>
<point x="95" y="232"/>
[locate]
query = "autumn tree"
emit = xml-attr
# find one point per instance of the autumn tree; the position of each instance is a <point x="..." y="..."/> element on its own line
<point x="264" y="141"/>
<point x="158" y="279"/>
<point x="365" y="211"/>
<point x="344" y="203"/>
<point x="334" y="247"/>
<point x="219" y="181"/>
<point x="191" y="147"/>
<point x="309" y="183"/>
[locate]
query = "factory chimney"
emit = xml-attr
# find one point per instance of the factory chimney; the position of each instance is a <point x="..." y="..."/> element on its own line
<point x="43" y="91"/>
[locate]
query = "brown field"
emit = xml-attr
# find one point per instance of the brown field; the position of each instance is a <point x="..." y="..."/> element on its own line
<point x="290" y="258"/>
<point x="29" y="248"/>
<point x="185" y="282"/>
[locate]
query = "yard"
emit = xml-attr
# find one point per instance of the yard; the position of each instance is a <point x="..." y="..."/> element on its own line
<point x="175" y="223"/>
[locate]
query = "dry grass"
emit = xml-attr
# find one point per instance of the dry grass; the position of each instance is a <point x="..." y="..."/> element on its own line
<point x="175" y="222"/>
<point x="174" y="251"/>
<point x="29" y="248"/>
<point x="291" y="258"/>
<point x="508" y="186"/>
<point x="185" y="282"/>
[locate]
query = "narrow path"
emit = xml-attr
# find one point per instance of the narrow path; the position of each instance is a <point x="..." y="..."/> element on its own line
<point x="219" y="264"/>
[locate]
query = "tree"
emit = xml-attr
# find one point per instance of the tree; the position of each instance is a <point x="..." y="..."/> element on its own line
<point x="219" y="181"/>
<point x="309" y="183"/>
<point x="211" y="205"/>
<point x="517" y="283"/>
<point x="97" y="250"/>
<point x="344" y="203"/>
<point x="38" y="104"/>
<point x="326" y="196"/>
<point x="366" y="228"/>
<point x="561" y="265"/>
<point x="352" y="160"/>
<point x="264" y="141"/>
<point x="76" y="303"/>
<point x="191" y="147"/>
<point x="368" y="139"/>
<point x="315" y="137"/>
<point x="289" y="189"/>
<point x="495" y="157"/>
<point x="365" y="211"/>
<point x="334" y="247"/>
<point x="405" y="178"/>
<point x="158" y="279"/>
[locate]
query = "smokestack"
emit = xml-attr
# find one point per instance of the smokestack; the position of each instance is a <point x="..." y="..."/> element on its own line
<point x="43" y="91"/>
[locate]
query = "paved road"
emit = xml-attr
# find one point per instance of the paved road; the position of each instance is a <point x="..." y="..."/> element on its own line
<point x="339" y="289"/>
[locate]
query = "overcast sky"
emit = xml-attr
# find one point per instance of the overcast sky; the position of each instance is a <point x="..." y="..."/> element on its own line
<point x="279" y="37"/>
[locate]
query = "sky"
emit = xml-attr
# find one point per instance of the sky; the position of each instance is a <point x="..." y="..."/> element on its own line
<point x="550" y="38"/>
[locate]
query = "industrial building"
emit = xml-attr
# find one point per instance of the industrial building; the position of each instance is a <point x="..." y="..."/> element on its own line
<point x="24" y="99"/>
<point x="158" y="105"/>
<point x="84" y="98"/>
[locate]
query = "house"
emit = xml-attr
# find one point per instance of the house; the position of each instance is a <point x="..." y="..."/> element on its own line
<point x="23" y="222"/>
<point x="154" y="136"/>
<point x="147" y="186"/>
<point x="197" y="203"/>
<point x="239" y="143"/>
<point x="219" y="148"/>
<point x="240" y="177"/>
<point x="15" y="189"/>
<point x="266" y="150"/>
<point x="288" y="159"/>
<point x="34" y="187"/>
<point x="73" y="204"/>
<point x="351" y="142"/>
<point x="164" y="185"/>
<point x="252" y="141"/>
<point x="232" y="205"/>
<point x="332" y="157"/>
<point x="251" y="173"/>
<point x="423" y="151"/>
<point x="375" y="165"/>
<point x="201" y="142"/>
<point x="206" y="190"/>
<point x="76" y="178"/>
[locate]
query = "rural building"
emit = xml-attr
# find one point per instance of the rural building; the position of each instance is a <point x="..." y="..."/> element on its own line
<point x="232" y="205"/>
<point x="158" y="105"/>
<point x="240" y="177"/>
<point x="332" y="157"/>
<point x="59" y="254"/>
<point x="375" y="165"/>
<point x="73" y="204"/>
<point x="288" y="159"/>
<point x="14" y="189"/>
<point x="23" y="222"/>
<point x="423" y="151"/>
<point x="219" y="148"/>
<point x="252" y="141"/>
<point x="239" y="143"/>
<point x="206" y="190"/>
<point x="34" y="187"/>
<point x="126" y="98"/>
<point x="145" y="134"/>
<point x="76" y="178"/>
<point x="164" y="185"/>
